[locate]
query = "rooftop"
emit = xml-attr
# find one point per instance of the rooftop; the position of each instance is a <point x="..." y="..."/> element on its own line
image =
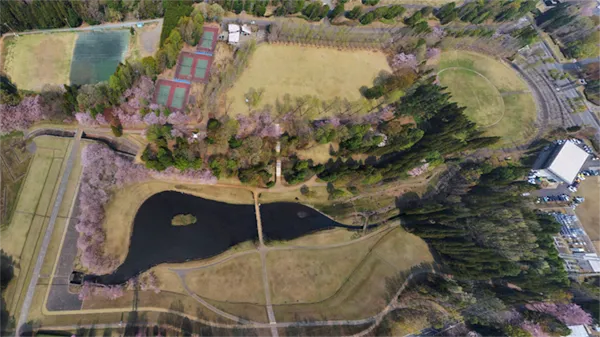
<point x="566" y="162"/>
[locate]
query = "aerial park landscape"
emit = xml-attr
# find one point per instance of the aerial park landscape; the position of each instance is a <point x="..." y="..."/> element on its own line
<point x="274" y="167"/>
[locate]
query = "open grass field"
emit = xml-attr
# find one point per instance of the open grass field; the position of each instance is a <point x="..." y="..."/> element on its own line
<point x="124" y="204"/>
<point x="588" y="212"/>
<point x="22" y="238"/>
<point x="33" y="61"/>
<point x="235" y="280"/>
<point x="313" y="275"/>
<point x="15" y="159"/>
<point x="298" y="71"/>
<point x="497" y="99"/>
<point x="364" y="292"/>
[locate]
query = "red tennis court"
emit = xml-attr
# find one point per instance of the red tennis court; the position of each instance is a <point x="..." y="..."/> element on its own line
<point x="209" y="39"/>
<point x="193" y="67"/>
<point x="172" y="93"/>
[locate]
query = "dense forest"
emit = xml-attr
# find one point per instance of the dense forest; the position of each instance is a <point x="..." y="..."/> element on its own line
<point x="506" y="273"/>
<point x="21" y="15"/>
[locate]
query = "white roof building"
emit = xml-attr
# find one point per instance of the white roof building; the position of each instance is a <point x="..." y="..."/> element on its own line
<point x="563" y="163"/>
<point x="234" y="38"/>
<point x="578" y="331"/>
<point x="246" y="30"/>
<point x="233" y="28"/>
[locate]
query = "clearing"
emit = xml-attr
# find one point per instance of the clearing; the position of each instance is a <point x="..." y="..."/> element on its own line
<point x="299" y="71"/>
<point x="33" y="61"/>
<point x="588" y="212"/>
<point x="497" y="99"/>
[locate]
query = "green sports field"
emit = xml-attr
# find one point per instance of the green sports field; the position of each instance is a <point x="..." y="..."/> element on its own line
<point x="496" y="98"/>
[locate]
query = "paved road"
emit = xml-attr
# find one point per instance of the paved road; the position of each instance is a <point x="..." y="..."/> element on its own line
<point x="42" y="254"/>
<point x="80" y="29"/>
<point x="59" y="297"/>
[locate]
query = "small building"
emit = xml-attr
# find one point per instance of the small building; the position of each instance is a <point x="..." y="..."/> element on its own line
<point x="234" y="38"/>
<point x="578" y="331"/>
<point x="233" y="28"/>
<point x="562" y="163"/>
<point x="246" y="30"/>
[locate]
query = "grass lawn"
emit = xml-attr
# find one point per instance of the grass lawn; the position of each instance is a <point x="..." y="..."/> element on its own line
<point x="33" y="61"/>
<point x="298" y="71"/>
<point x="124" y="204"/>
<point x="15" y="160"/>
<point x="482" y="99"/>
<point x="588" y="212"/>
<point x="497" y="99"/>
<point x="306" y="275"/>
<point x="22" y="238"/>
<point x="364" y="292"/>
<point x="235" y="280"/>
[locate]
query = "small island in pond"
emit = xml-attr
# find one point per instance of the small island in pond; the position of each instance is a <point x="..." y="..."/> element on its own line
<point x="183" y="220"/>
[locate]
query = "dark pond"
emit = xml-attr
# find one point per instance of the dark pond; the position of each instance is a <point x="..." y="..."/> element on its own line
<point x="219" y="226"/>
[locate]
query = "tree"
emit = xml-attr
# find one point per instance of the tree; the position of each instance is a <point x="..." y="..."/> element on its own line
<point x="370" y="2"/>
<point x="354" y="13"/>
<point x="337" y="11"/>
<point x="9" y="94"/>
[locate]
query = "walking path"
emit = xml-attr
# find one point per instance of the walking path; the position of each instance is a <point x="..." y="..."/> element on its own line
<point x="42" y="254"/>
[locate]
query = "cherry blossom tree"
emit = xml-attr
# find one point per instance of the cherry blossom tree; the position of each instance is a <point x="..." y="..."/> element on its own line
<point x="569" y="314"/>
<point x="404" y="60"/>
<point x="433" y="53"/>
<point x="417" y="171"/>
<point x="22" y="115"/>
<point x="84" y="118"/>
<point x="534" y="329"/>
<point x="139" y="95"/>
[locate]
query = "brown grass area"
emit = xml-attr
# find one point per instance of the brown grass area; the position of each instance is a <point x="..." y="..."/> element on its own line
<point x="589" y="211"/>
<point x="125" y="203"/>
<point x="38" y="215"/>
<point x="235" y="280"/>
<point x="33" y="61"/>
<point x="364" y="293"/>
<point x="306" y="276"/>
<point x="15" y="162"/>
<point x="321" y="238"/>
<point x="298" y="71"/>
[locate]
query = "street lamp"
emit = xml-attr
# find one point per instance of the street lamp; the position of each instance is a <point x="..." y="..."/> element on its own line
<point x="10" y="28"/>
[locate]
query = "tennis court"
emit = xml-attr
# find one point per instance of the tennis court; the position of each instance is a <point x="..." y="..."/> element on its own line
<point x="193" y="66"/>
<point x="172" y="93"/>
<point x="163" y="94"/>
<point x="178" y="97"/>
<point x="209" y="39"/>
<point x="186" y="66"/>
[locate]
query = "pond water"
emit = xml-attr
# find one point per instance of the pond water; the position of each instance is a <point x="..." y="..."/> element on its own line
<point x="219" y="227"/>
<point x="97" y="55"/>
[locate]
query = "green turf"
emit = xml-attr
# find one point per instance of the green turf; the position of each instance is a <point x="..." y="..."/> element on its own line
<point x="178" y="97"/>
<point x="201" y="68"/>
<point x="483" y="101"/>
<point x="207" y="40"/>
<point x="186" y="66"/>
<point x="163" y="94"/>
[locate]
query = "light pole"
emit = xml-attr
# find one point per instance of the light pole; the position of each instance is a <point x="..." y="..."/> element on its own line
<point x="10" y="28"/>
